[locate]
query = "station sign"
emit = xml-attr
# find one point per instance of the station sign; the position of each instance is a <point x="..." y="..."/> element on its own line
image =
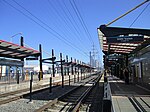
<point x="125" y="39"/>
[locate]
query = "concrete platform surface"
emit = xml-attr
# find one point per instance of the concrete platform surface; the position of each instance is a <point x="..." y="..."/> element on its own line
<point x="128" y="97"/>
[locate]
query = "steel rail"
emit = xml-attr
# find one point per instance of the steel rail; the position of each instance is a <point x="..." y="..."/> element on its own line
<point x="25" y="92"/>
<point x="55" y="101"/>
<point x="136" y="104"/>
<point x="84" y="95"/>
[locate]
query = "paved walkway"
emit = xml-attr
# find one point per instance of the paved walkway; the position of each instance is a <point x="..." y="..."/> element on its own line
<point x="128" y="98"/>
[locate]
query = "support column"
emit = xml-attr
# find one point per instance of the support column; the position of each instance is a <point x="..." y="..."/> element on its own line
<point x="17" y="75"/>
<point x="68" y="69"/>
<point x="53" y="63"/>
<point x="91" y="62"/>
<point x="62" y="75"/>
<point x="41" y="71"/>
<point x="81" y="69"/>
<point x="68" y="66"/>
<point x="78" y="70"/>
<point x="127" y="62"/>
<point x="21" y="43"/>
<point x="75" y="72"/>
<point x="71" y="67"/>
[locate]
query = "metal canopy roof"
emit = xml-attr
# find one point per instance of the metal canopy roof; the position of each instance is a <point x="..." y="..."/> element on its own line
<point x="10" y="50"/>
<point x="121" y="48"/>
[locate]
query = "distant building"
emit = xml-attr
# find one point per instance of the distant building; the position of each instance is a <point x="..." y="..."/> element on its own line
<point x="35" y="68"/>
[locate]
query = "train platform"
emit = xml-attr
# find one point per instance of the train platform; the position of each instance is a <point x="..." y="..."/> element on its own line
<point x="128" y="97"/>
<point x="10" y="87"/>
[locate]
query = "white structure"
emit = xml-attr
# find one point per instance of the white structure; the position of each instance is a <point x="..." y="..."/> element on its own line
<point x="36" y="68"/>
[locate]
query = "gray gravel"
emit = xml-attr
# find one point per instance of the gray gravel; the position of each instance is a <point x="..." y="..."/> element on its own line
<point x="23" y="105"/>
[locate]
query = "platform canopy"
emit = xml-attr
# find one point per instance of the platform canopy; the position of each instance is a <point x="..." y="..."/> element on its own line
<point x="10" y="50"/>
<point x="122" y="40"/>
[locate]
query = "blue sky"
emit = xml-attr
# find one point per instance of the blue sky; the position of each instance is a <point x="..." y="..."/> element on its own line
<point x="55" y="25"/>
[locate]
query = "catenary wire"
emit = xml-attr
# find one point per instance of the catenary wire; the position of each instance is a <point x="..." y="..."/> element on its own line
<point x="81" y="21"/>
<point x="57" y="36"/>
<point x="139" y="15"/>
<point x="62" y="18"/>
<point x="65" y="40"/>
<point x="72" y="24"/>
<point x="74" y="21"/>
<point x="73" y="4"/>
<point x="65" y="20"/>
<point x="127" y="12"/>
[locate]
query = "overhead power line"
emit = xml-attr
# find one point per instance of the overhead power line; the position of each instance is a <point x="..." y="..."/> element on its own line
<point x="72" y="21"/>
<point x="65" y="18"/>
<point x="127" y="12"/>
<point x="139" y="15"/>
<point x="82" y="22"/>
<point x="75" y="8"/>
<point x="54" y="34"/>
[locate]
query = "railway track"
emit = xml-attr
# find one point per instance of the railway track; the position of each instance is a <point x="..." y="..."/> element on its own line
<point x="15" y="95"/>
<point x="93" y="102"/>
<point x="41" y="98"/>
<point x="71" y="101"/>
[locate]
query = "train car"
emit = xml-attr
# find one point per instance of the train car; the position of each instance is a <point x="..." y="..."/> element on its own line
<point x="140" y="67"/>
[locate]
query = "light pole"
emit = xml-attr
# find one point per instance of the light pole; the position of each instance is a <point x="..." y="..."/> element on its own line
<point x="14" y="36"/>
